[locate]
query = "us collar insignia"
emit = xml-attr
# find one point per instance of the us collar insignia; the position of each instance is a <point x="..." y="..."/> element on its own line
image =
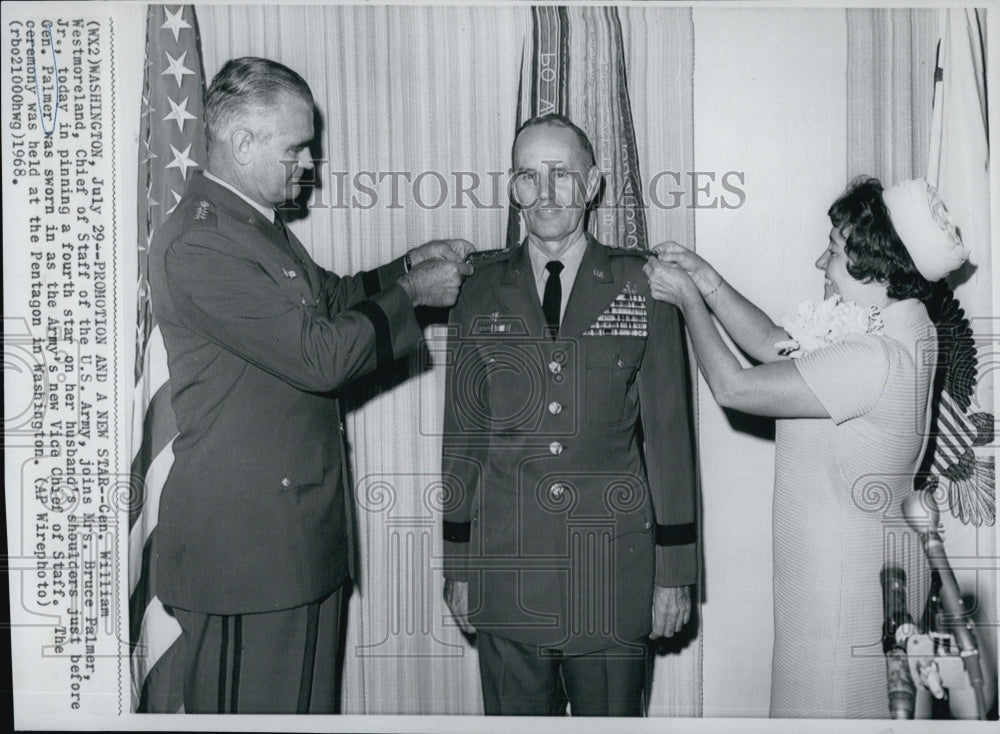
<point x="598" y="273"/>
<point x="290" y="274"/>
<point x="201" y="213"/>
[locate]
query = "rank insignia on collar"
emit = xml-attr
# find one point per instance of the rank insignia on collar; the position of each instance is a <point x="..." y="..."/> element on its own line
<point x="290" y="274"/>
<point x="201" y="213"/>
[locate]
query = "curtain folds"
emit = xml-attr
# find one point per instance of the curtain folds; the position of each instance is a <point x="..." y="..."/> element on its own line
<point x="890" y="72"/>
<point x="659" y="61"/>
<point x="415" y="104"/>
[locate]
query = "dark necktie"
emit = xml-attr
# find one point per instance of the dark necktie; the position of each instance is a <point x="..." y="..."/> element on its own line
<point x="552" y="298"/>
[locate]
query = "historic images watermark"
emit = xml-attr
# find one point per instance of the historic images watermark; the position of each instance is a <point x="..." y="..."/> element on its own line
<point x="494" y="190"/>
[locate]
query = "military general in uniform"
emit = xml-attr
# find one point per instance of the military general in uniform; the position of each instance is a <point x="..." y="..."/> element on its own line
<point x="568" y="457"/>
<point x="254" y="543"/>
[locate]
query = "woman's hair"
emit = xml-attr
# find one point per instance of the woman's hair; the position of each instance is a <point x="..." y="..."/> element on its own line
<point x="874" y="250"/>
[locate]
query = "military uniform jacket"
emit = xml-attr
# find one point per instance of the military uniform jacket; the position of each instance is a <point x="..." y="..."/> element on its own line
<point x="568" y="463"/>
<point x="253" y="515"/>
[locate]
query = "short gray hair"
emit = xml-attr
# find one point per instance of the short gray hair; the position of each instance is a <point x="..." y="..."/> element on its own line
<point x="245" y="84"/>
<point x="560" y="121"/>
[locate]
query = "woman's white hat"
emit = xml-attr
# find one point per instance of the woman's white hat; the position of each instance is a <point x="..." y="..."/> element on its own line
<point x="922" y="222"/>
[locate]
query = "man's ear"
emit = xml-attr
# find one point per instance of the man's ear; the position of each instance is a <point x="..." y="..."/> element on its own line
<point x="594" y="176"/>
<point x="241" y="142"/>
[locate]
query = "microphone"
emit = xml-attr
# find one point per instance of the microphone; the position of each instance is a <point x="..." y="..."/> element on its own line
<point x="920" y="511"/>
<point x="898" y="626"/>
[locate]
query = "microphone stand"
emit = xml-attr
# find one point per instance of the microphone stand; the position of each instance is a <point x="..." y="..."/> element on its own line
<point x="921" y="514"/>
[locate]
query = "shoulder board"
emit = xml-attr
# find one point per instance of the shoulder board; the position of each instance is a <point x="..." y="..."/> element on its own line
<point x="486" y="257"/>
<point x="630" y="252"/>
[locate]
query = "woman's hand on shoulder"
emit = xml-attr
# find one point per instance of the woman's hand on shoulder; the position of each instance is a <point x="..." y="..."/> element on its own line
<point x="671" y="283"/>
<point x="701" y="272"/>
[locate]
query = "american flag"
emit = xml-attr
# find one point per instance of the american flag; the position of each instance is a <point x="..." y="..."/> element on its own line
<point x="958" y="166"/>
<point x="171" y="145"/>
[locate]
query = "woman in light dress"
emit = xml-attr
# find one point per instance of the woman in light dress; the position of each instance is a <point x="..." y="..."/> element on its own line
<point x="853" y="416"/>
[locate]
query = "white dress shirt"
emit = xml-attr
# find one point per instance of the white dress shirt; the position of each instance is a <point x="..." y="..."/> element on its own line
<point x="269" y="213"/>
<point x="570" y="259"/>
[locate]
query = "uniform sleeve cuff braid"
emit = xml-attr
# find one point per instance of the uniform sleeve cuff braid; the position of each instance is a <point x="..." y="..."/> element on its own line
<point x="457" y="532"/>
<point x="383" y="335"/>
<point x="680" y="534"/>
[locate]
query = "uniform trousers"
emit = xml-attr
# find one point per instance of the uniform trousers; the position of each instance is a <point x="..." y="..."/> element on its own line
<point x="526" y="680"/>
<point x="282" y="662"/>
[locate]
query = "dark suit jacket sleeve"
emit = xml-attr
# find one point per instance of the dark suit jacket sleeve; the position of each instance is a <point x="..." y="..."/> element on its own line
<point x="233" y="301"/>
<point x="668" y="427"/>
<point x="342" y="292"/>
<point x="463" y="453"/>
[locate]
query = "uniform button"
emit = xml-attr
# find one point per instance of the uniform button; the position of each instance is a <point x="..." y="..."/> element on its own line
<point x="555" y="368"/>
<point x="555" y="408"/>
<point x="620" y="363"/>
<point x="557" y="489"/>
<point x="303" y="301"/>
<point x="555" y="448"/>
<point x="251" y="220"/>
<point x="649" y="525"/>
<point x="286" y="482"/>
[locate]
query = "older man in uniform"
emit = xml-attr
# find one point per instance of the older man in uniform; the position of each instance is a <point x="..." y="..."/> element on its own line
<point x="255" y="517"/>
<point x="568" y="453"/>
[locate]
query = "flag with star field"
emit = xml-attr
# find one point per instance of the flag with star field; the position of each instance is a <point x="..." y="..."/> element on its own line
<point x="171" y="146"/>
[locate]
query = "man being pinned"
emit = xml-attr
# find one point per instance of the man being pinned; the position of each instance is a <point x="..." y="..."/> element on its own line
<point x="254" y="531"/>
<point x="567" y="543"/>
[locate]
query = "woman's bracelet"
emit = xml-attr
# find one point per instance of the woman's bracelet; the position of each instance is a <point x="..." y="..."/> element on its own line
<point x="712" y="293"/>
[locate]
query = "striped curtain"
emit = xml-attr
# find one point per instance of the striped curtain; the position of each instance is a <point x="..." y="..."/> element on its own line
<point x="659" y="57"/>
<point x="890" y="65"/>
<point x="171" y="145"/>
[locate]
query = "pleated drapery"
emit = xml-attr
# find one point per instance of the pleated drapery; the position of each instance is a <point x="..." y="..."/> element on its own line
<point x="659" y="57"/>
<point x="890" y="72"/>
<point x="423" y="93"/>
